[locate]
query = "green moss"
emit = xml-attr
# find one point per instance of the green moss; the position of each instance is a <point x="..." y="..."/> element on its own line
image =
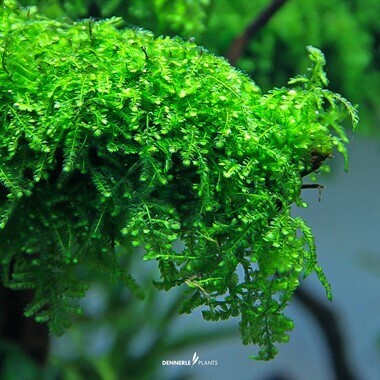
<point x="114" y="138"/>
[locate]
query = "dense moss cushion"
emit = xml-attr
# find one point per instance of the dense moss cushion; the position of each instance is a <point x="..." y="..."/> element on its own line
<point x="111" y="139"/>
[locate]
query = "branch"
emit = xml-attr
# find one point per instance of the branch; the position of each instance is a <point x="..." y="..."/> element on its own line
<point x="239" y="44"/>
<point x="329" y="324"/>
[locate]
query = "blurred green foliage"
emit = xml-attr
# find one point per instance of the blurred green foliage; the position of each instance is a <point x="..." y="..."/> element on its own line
<point x="182" y="17"/>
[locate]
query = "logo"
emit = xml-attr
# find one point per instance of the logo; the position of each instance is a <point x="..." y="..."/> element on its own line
<point x="195" y="359"/>
<point x="191" y="363"/>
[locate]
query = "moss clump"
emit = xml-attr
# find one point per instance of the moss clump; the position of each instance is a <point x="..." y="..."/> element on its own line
<point x="113" y="138"/>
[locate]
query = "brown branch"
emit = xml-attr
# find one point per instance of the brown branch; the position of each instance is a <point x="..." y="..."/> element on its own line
<point x="329" y="324"/>
<point x="239" y="44"/>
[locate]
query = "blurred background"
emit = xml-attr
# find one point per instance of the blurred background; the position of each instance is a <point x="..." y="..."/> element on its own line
<point x="119" y="337"/>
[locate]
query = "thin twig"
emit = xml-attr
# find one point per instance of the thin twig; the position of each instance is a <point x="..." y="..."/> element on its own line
<point x="239" y="44"/>
<point x="330" y="326"/>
